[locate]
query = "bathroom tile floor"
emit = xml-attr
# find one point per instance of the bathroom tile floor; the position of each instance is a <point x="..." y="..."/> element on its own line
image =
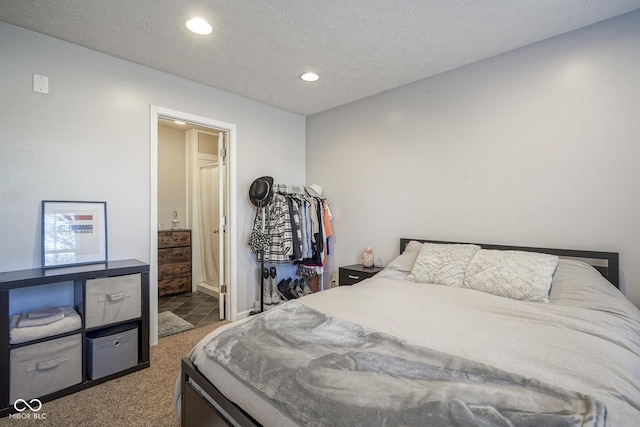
<point x="197" y="308"/>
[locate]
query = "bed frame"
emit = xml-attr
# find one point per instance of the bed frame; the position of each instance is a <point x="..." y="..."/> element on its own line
<point x="217" y="410"/>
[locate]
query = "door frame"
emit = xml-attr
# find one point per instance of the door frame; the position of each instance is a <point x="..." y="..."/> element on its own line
<point x="231" y="229"/>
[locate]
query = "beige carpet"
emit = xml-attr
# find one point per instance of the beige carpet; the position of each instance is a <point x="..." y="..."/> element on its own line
<point x="141" y="399"/>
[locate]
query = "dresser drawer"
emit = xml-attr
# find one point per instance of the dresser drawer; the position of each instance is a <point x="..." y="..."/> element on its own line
<point x="356" y="273"/>
<point x="174" y="261"/>
<point x="112" y="299"/>
<point x="173" y="286"/>
<point x="177" y="269"/>
<point x="168" y="239"/>
<point x="349" y="277"/>
<point x="166" y="256"/>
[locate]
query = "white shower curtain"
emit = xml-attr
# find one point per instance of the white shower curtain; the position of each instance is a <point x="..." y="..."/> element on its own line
<point x="209" y="222"/>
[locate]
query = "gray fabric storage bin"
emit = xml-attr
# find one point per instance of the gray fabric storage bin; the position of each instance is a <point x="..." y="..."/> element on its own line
<point x="112" y="299"/>
<point x="46" y="367"/>
<point x="112" y="350"/>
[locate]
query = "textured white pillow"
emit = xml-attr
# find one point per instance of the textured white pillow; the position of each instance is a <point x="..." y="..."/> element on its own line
<point x="405" y="261"/>
<point x="442" y="264"/>
<point x="517" y="275"/>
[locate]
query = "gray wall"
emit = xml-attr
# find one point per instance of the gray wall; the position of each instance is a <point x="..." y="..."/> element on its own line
<point x="89" y="139"/>
<point x="536" y="147"/>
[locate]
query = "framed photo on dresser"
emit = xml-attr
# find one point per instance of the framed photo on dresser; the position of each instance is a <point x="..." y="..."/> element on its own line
<point x="73" y="233"/>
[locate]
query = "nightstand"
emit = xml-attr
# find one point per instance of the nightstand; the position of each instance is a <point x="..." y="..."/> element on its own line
<point x="351" y="274"/>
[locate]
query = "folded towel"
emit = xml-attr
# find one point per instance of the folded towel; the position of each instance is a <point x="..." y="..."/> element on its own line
<point x="25" y="322"/>
<point x="71" y="322"/>
<point x="44" y="312"/>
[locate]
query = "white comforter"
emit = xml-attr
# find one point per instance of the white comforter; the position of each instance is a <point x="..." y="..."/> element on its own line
<point x="586" y="339"/>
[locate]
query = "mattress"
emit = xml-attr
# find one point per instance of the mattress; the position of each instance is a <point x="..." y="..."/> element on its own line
<point x="585" y="339"/>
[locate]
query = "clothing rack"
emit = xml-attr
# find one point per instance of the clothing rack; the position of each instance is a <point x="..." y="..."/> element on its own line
<point x="285" y="190"/>
<point x="290" y="189"/>
<point x="261" y="255"/>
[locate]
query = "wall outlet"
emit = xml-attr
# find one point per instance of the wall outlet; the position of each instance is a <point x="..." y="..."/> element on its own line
<point x="334" y="280"/>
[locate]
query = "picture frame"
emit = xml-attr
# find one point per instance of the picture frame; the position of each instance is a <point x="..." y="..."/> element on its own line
<point x="73" y="233"/>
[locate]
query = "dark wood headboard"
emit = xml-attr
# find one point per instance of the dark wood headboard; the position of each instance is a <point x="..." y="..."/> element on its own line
<point x="607" y="263"/>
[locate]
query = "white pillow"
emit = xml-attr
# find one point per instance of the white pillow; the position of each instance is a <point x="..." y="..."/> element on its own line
<point x="517" y="275"/>
<point x="442" y="264"/>
<point x="405" y="261"/>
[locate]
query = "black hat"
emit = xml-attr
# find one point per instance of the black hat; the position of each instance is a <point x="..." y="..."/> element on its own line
<point x="260" y="191"/>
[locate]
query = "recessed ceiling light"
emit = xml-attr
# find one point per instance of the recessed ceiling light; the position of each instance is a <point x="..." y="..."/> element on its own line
<point x="179" y="122"/>
<point x="309" y="77"/>
<point x="199" y="26"/>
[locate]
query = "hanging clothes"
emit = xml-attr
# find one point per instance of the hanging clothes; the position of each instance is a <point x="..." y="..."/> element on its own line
<point x="326" y="219"/>
<point x="296" y="229"/>
<point x="298" y="226"/>
<point x="328" y="229"/>
<point x="279" y="231"/>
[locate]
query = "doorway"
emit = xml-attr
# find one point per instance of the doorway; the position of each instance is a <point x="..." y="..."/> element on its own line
<point x="204" y="199"/>
<point x="207" y="207"/>
<point x="207" y="183"/>
<point x="189" y="213"/>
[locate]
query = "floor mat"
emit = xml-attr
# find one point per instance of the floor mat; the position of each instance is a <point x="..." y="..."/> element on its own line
<point x="169" y="324"/>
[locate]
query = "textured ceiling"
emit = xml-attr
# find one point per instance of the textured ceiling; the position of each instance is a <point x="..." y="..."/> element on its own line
<point x="259" y="48"/>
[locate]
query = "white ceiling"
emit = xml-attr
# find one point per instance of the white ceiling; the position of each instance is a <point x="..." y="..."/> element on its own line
<point x="259" y="48"/>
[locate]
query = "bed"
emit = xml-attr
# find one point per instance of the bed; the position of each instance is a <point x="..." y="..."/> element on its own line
<point x="394" y="351"/>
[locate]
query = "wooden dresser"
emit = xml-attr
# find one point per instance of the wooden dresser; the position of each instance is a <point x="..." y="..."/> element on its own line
<point x="174" y="261"/>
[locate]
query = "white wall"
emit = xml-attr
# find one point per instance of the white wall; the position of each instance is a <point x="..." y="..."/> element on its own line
<point x="89" y="139"/>
<point x="536" y="147"/>
<point x="172" y="176"/>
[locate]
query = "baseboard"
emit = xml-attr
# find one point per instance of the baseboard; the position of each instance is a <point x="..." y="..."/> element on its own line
<point x="207" y="289"/>
<point x="243" y="314"/>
